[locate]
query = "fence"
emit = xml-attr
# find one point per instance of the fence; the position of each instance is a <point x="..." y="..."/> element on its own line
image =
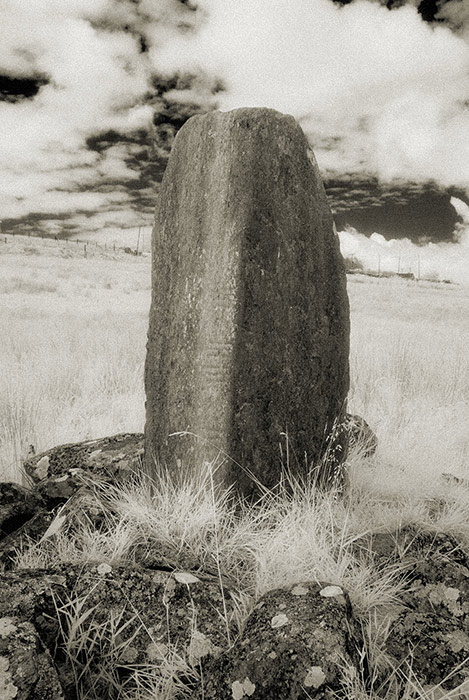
<point x="411" y="267"/>
<point x="87" y="244"/>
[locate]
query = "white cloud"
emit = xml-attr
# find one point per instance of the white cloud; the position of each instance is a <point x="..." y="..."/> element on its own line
<point x="444" y="261"/>
<point x="456" y="13"/>
<point x="97" y="81"/>
<point x="390" y="88"/>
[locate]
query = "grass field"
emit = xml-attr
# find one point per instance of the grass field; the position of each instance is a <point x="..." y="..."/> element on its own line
<point x="74" y="334"/>
<point x="73" y="349"/>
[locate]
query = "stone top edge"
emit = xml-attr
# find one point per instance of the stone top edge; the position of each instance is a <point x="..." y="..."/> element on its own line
<point x="260" y="113"/>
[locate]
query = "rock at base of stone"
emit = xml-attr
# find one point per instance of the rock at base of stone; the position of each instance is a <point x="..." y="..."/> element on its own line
<point x="247" y="356"/>
<point x="295" y="644"/>
<point x="360" y="436"/>
<point x="429" y="634"/>
<point x="26" y="668"/>
<point x="159" y="615"/>
<point x="113" y="456"/>
<point x="17" y="505"/>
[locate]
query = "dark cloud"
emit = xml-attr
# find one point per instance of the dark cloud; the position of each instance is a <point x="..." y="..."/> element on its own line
<point x="15" y="89"/>
<point x="428" y="9"/>
<point x="419" y="211"/>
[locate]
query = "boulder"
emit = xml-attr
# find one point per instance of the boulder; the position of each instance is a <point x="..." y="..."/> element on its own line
<point x="64" y="475"/>
<point x="295" y="644"/>
<point x="29" y="595"/>
<point x="26" y="668"/>
<point x="31" y="531"/>
<point x="17" y="505"/>
<point x="136" y="618"/>
<point x="430" y="630"/>
<point x="113" y="457"/>
<point x="248" y="342"/>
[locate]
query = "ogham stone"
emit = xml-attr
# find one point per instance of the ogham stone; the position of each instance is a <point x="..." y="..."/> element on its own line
<point x="248" y="342"/>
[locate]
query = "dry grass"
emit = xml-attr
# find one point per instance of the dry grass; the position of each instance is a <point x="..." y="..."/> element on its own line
<point x="410" y="378"/>
<point x="73" y="343"/>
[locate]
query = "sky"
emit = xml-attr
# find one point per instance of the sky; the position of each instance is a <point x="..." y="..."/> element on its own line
<point x="93" y="91"/>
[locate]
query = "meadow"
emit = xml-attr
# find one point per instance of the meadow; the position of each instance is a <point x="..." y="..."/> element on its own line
<point x="73" y="346"/>
<point x="74" y="334"/>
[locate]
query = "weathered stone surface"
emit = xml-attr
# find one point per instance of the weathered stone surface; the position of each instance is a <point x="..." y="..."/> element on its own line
<point x="26" y="668"/>
<point x="149" y="615"/>
<point x="431" y="630"/>
<point x="115" y="457"/>
<point x="64" y="476"/>
<point x="17" y="505"/>
<point x="249" y="325"/>
<point x="294" y="645"/>
<point x="29" y="596"/>
<point x="170" y="604"/>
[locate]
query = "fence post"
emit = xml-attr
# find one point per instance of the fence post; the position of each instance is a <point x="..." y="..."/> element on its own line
<point x="84" y="250"/>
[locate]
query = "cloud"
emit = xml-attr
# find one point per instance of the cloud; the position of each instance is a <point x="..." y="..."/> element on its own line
<point x="96" y="80"/>
<point x="376" y="90"/>
<point x="443" y="261"/>
<point x="456" y="14"/>
<point x="379" y="93"/>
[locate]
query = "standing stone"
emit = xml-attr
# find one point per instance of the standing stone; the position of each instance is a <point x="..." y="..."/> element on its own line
<point x="247" y="355"/>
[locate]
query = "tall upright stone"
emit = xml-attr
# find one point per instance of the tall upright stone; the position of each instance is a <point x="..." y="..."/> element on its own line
<point x="247" y="355"/>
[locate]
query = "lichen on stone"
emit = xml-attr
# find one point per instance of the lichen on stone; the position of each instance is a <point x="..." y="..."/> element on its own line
<point x="42" y="468"/>
<point x="185" y="577"/>
<point x="279" y="621"/>
<point x="331" y="591"/>
<point x="104" y="569"/>
<point x="458" y="640"/>
<point x="240" y="689"/>
<point x="299" y="590"/>
<point x="6" y="627"/>
<point x="156" y="651"/>
<point x="8" y="689"/>
<point x="129" y="655"/>
<point x="315" y="677"/>
<point x="200" y="645"/>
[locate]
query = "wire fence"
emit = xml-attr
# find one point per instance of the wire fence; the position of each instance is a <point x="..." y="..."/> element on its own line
<point x="405" y="267"/>
<point x="88" y="244"/>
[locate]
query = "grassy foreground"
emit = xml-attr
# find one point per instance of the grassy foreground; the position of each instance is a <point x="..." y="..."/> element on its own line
<point x="74" y="341"/>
